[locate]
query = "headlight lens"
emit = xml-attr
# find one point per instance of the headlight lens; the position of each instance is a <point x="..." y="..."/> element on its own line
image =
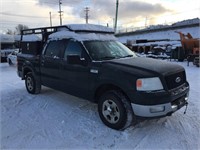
<point x="149" y="84"/>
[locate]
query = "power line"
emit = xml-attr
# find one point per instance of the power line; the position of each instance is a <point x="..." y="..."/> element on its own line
<point x="174" y="14"/>
<point x="19" y="15"/>
<point x="8" y="22"/>
<point x="155" y="17"/>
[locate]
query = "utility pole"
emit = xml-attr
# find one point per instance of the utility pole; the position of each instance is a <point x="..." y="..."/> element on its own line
<point x="116" y="15"/>
<point x="50" y="19"/>
<point x="60" y="11"/>
<point x="86" y="14"/>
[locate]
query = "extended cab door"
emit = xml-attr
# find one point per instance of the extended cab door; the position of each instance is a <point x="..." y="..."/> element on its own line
<point x="51" y="62"/>
<point x="75" y="77"/>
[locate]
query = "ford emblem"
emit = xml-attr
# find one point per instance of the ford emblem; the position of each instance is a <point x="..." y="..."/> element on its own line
<point x="178" y="79"/>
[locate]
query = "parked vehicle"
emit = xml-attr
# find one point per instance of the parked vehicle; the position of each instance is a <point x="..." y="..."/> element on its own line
<point x="7" y="46"/>
<point x="87" y="61"/>
<point x="12" y="58"/>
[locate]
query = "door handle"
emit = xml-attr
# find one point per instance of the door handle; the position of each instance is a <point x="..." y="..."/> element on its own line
<point x="55" y="57"/>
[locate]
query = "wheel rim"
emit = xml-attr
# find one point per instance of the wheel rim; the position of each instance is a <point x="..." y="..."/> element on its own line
<point x="29" y="83"/>
<point x="111" y="111"/>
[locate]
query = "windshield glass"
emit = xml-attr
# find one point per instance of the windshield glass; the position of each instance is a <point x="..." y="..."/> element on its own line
<point x="105" y="50"/>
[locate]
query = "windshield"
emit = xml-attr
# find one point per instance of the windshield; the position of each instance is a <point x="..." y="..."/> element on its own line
<point x="105" y="50"/>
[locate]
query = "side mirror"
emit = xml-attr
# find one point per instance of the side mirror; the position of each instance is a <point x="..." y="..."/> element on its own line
<point x="76" y="60"/>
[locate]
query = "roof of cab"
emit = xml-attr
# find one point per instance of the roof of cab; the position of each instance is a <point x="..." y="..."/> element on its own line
<point x="90" y="28"/>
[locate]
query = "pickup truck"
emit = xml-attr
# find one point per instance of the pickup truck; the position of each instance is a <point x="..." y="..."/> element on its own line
<point x="87" y="61"/>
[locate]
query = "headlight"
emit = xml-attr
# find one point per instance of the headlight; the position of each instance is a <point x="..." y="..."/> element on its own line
<point x="149" y="84"/>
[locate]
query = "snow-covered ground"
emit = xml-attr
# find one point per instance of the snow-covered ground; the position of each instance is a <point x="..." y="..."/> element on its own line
<point x="56" y="120"/>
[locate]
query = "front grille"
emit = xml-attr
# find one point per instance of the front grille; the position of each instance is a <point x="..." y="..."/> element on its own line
<point x="173" y="81"/>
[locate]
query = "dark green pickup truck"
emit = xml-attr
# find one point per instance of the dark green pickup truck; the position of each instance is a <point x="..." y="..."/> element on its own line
<point x="88" y="62"/>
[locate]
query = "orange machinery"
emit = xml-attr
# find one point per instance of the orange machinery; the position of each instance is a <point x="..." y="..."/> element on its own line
<point x="189" y="44"/>
<point x="191" y="47"/>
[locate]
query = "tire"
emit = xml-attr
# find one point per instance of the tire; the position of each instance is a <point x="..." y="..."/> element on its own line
<point x="10" y="62"/>
<point x="32" y="86"/>
<point x="115" y="110"/>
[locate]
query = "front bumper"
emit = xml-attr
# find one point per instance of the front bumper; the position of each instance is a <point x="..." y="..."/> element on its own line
<point x="159" y="110"/>
<point x="177" y="99"/>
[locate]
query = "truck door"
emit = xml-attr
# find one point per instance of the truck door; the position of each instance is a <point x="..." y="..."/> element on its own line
<point x="51" y="62"/>
<point x="75" y="77"/>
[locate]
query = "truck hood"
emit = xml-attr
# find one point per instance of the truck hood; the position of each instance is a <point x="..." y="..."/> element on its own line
<point x="148" y="64"/>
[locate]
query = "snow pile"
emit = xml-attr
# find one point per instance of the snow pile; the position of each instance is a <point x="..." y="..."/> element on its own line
<point x="81" y="36"/>
<point x="30" y="38"/>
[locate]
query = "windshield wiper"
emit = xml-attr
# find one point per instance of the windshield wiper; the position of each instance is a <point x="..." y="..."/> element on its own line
<point x="107" y="57"/>
<point x="127" y="56"/>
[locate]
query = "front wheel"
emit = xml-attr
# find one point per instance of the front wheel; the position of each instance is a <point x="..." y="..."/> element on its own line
<point x="115" y="110"/>
<point x="32" y="86"/>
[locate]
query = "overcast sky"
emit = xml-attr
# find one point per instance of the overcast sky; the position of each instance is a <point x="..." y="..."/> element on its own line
<point x="132" y="13"/>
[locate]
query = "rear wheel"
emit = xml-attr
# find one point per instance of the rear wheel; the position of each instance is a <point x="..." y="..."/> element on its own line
<point x="115" y="110"/>
<point x="32" y="86"/>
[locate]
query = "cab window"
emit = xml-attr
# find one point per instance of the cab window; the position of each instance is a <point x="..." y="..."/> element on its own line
<point x="73" y="48"/>
<point x="55" y="48"/>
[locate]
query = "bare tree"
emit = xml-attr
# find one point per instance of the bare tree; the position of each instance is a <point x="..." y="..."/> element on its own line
<point x="20" y="27"/>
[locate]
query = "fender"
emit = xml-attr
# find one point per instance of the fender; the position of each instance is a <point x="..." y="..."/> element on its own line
<point x="28" y="66"/>
<point x="111" y="84"/>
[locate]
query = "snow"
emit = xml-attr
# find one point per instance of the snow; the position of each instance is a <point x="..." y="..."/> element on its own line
<point x="30" y="38"/>
<point x="90" y="27"/>
<point x="81" y="36"/>
<point x="160" y="43"/>
<point x="187" y="22"/>
<point x="57" y="120"/>
<point x="17" y="37"/>
<point x="151" y="55"/>
<point x="6" y="38"/>
<point x="159" y="35"/>
<point x="97" y="32"/>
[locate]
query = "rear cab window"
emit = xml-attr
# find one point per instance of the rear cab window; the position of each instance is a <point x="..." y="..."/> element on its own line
<point x="55" y="48"/>
<point x="73" y="48"/>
